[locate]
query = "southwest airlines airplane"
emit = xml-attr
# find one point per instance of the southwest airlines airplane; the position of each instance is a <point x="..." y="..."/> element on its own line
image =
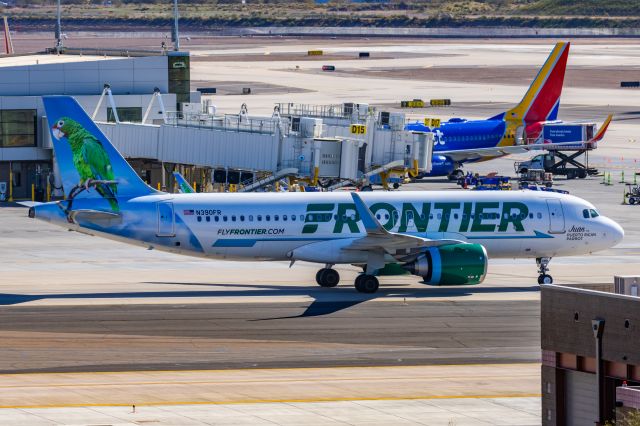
<point x="460" y="141"/>
<point x="445" y="237"/>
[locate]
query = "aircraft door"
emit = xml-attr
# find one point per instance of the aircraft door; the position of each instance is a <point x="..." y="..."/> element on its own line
<point x="166" y="221"/>
<point x="556" y="217"/>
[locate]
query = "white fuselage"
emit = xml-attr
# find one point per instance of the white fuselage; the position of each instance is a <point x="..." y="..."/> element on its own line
<point x="271" y="226"/>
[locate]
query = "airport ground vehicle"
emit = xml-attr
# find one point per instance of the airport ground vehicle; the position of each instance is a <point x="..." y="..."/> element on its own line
<point x="632" y="194"/>
<point x="557" y="163"/>
<point x="490" y="182"/>
<point x="444" y="237"/>
<point x="530" y="177"/>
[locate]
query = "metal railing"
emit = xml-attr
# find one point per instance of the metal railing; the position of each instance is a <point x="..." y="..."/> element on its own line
<point x="228" y="122"/>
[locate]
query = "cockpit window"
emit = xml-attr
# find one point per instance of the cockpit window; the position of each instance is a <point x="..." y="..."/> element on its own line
<point x="589" y="213"/>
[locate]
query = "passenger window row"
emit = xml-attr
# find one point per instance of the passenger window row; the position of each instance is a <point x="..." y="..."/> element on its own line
<point x="251" y="218"/>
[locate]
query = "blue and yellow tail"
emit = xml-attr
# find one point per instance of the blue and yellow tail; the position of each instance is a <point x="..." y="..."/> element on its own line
<point x="89" y="164"/>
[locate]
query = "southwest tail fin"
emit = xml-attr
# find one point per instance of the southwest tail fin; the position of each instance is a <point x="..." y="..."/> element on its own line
<point x="183" y="185"/>
<point x="542" y="100"/>
<point x="86" y="158"/>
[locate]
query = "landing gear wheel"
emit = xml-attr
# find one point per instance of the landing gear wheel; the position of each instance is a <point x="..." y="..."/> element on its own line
<point x="327" y="277"/>
<point x="456" y="174"/>
<point x="545" y="279"/>
<point x="543" y="268"/>
<point x="396" y="185"/>
<point x="367" y="284"/>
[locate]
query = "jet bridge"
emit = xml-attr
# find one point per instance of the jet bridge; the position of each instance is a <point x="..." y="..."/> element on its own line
<point x="325" y="145"/>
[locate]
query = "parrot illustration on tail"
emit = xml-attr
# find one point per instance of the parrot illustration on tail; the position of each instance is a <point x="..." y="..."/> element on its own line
<point x="90" y="160"/>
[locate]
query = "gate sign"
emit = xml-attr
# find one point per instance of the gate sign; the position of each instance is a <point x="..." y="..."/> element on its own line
<point x="432" y="122"/>
<point x="358" y="129"/>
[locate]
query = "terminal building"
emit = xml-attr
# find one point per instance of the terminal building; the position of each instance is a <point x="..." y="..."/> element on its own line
<point x="144" y="103"/>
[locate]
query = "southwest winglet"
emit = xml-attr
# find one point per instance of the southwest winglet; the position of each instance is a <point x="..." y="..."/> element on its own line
<point x="603" y="129"/>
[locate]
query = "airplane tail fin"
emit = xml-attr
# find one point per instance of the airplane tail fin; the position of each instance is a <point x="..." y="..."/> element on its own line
<point x="183" y="185"/>
<point x="90" y="166"/>
<point x="542" y="100"/>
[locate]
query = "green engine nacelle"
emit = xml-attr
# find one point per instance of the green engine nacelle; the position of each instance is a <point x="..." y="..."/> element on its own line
<point x="453" y="264"/>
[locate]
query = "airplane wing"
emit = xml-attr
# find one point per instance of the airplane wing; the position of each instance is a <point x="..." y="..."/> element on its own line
<point x="378" y="238"/>
<point x="475" y="153"/>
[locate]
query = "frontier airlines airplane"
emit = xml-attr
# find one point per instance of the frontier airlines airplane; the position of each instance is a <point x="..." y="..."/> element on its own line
<point x="445" y="237"/>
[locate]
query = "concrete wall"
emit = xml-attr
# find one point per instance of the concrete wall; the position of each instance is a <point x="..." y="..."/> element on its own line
<point x="125" y="75"/>
<point x="561" y="332"/>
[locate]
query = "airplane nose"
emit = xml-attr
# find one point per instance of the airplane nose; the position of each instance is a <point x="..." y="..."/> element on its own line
<point x="615" y="231"/>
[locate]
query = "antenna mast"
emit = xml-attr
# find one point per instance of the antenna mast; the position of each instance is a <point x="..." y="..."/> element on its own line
<point x="175" y="36"/>
<point x="58" y="34"/>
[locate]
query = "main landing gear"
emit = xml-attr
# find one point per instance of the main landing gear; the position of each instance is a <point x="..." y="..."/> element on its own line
<point x="327" y="277"/>
<point x="543" y="268"/>
<point x="367" y="283"/>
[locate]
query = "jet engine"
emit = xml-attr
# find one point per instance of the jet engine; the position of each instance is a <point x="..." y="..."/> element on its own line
<point x="453" y="264"/>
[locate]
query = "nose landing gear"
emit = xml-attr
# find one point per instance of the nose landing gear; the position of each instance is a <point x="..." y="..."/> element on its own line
<point x="543" y="268"/>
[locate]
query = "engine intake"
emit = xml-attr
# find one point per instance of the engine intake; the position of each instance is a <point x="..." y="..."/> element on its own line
<point x="453" y="264"/>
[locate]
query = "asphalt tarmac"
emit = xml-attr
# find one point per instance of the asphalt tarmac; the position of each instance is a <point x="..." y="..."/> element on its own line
<point x="267" y="335"/>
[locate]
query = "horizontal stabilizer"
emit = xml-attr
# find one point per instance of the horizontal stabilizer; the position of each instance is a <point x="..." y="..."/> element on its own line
<point x="92" y="215"/>
<point x="29" y="203"/>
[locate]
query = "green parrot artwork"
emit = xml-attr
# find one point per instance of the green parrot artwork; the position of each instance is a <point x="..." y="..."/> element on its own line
<point x="90" y="159"/>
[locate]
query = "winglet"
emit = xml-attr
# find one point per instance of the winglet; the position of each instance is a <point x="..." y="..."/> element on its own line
<point x="183" y="185"/>
<point x="371" y="224"/>
<point x="603" y="129"/>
